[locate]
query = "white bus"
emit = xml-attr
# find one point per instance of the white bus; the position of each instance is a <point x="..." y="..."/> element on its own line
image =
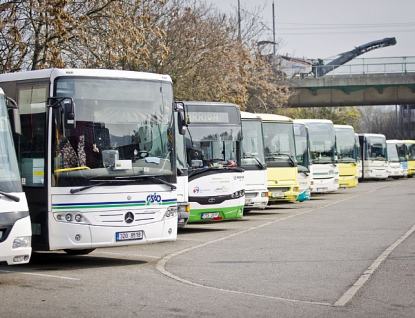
<point x="213" y="144"/>
<point x="395" y="168"/>
<point x="402" y="151"/>
<point x="15" y="228"/>
<point x="96" y="157"/>
<point x="302" y="146"/>
<point x="183" y="204"/>
<point x="373" y="154"/>
<point x="253" y="162"/>
<point x="324" y="167"/>
<point x="358" y="157"/>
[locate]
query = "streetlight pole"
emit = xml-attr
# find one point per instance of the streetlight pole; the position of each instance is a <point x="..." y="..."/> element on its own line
<point x="239" y="20"/>
<point x="273" y="27"/>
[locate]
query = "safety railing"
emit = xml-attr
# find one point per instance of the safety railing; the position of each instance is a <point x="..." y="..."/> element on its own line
<point x="369" y="66"/>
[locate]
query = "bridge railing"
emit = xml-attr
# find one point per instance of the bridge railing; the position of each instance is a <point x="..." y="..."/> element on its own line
<point x="368" y="66"/>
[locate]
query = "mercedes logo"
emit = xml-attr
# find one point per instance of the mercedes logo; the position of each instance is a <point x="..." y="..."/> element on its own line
<point x="211" y="200"/>
<point x="129" y="217"/>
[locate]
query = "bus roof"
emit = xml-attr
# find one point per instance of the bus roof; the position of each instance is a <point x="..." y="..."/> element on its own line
<point x="395" y="141"/>
<point x="274" y="117"/>
<point x="371" y="135"/>
<point x="313" y="121"/>
<point x="344" y="127"/>
<point x="55" y="72"/>
<point x="204" y="103"/>
<point x="249" y="116"/>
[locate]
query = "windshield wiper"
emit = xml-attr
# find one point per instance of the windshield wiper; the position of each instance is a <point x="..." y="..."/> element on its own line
<point x="259" y="163"/>
<point x="10" y="196"/>
<point x="88" y="187"/>
<point x="285" y="155"/>
<point x="101" y="182"/>
<point x="155" y="177"/>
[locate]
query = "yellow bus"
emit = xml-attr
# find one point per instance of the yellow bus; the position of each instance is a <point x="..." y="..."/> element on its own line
<point x="347" y="156"/>
<point x="410" y="156"/>
<point x="280" y="157"/>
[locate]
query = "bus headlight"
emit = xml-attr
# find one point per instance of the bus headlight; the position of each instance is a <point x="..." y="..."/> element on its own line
<point x="71" y="217"/>
<point x="170" y="212"/>
<point x="22" y="241"/>
<point x="183" y="208"/>
<point x="238" y="194"/>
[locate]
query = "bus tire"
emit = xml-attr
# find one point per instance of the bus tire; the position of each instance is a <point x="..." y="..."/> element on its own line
<point x="79" y="252"/>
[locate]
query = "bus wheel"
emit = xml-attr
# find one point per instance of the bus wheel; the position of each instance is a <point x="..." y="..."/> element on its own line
<point x="79" y="252"/>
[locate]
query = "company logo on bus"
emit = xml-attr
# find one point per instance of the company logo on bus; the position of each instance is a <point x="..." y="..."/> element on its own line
<point x="196" y="190"/>
<point x="129" y="217"/>
<point x="153" y="199"/>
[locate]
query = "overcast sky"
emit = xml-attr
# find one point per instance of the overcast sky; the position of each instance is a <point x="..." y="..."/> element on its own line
<point x="325" y="28"/>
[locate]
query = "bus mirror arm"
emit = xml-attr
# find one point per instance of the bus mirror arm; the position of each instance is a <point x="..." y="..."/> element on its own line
<point x="68" y="108"/>
<point x="181" y="117"/>
<point x="182" y="122"/>
<point x="14" y="116"/>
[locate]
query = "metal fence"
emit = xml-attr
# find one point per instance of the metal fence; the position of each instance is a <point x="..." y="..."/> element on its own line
<point x="368" y="66"/>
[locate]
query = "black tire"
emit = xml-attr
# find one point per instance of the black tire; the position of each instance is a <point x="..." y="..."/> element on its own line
<point x="80" y="252"/>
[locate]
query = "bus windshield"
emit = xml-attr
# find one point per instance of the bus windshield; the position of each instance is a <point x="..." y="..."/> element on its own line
<point x="346" y="145"/>
<point x="322" y="142"/>
<point x="410" y="151"/>
<point x="279" y="142"/>
<point x="302" y="146"/>
<point x="252" y="146"/>
<point x="392" y="152"/>
<point x="376" y="148"/>
<point x="213" y="136"/>
<point x="123" y="129"/>
<point x="9" y="170"/>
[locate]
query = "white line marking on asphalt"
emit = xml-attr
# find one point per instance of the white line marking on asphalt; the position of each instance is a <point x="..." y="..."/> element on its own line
<point x="161" y="264"/>
<point x="42" y="275"/>
<point x="127" y="255"/>
<point x="351" y="292"/>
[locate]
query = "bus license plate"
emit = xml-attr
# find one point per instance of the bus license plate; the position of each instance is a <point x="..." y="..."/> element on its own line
<point x="210" y="215"/>
<point x="277" y="194"/>
<point x="129" y="236"/>
<point x="322" y="189"/>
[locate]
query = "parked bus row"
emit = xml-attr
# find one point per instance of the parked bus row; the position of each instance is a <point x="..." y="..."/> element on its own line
<point x="106" y="158"/>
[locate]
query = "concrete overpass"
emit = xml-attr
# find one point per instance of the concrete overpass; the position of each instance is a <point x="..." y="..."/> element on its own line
<point x="360" y="83"/>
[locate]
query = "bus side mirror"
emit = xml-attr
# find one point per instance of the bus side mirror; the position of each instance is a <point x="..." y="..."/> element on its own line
<point x="69" y="114"/>
<point x="181" y="117"/>
<point x="181" y="122"/>
<point x="67" y="106"/>
<point x="14" y="116"/>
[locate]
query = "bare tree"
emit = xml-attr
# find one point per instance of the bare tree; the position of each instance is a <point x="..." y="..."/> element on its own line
<point x="87" y="33"/>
